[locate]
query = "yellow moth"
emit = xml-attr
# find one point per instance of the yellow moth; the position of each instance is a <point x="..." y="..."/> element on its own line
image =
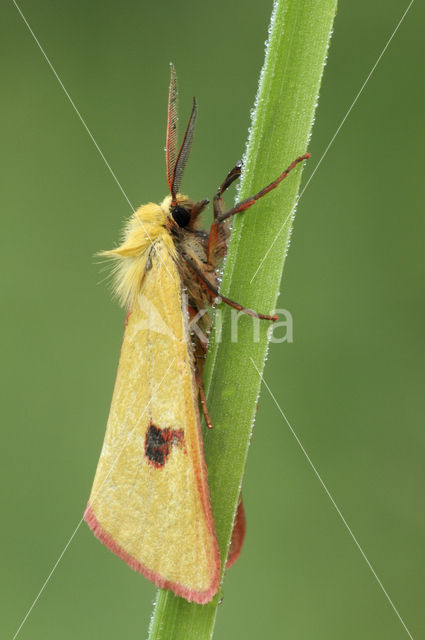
<point x="150" y="500"/>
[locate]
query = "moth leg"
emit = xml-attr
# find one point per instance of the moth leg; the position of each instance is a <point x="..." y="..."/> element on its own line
<point x="199" y="339"/>
<point x="248" y="202"/>
<point x="213" y="290"/>
<point x="229" y="179"/>
<point x="219" y="232"/>
<point x="198" y="378"/>
<point x="199" y="354"/>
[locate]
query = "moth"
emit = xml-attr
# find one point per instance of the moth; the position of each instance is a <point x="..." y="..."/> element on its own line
<point x="150" y="500"/>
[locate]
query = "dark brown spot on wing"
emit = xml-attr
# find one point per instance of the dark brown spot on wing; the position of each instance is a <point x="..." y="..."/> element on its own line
<point x="158" y="444"/>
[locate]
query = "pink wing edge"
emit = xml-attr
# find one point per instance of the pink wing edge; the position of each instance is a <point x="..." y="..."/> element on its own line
<point x="192" y="595"/>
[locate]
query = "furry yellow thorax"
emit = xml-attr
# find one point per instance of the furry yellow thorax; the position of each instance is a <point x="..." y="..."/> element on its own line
<point x="145" y="230"/>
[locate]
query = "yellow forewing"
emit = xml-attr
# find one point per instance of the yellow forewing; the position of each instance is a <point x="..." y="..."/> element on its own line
<point x="153" y="509"/>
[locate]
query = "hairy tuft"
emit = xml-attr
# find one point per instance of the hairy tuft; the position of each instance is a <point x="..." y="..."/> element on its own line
<point x="130" y="260"/>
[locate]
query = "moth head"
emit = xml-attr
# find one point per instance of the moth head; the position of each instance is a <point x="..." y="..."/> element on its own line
<point x="180" y="215"/>
<point x="182" y="212"/>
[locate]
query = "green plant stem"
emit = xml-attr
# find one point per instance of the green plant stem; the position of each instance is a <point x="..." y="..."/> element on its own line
<point x="283" y="117"/>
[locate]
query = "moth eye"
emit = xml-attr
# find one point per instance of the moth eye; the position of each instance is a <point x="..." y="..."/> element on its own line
<point x="181" y="216"/>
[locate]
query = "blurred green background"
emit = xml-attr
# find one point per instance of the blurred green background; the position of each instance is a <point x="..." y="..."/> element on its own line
<point x="352" y="381"/>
